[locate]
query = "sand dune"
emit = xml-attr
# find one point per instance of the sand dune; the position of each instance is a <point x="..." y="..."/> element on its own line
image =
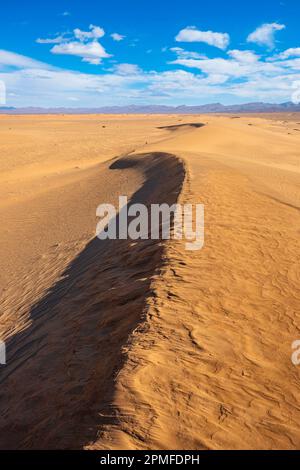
<point x="144" y="345"/>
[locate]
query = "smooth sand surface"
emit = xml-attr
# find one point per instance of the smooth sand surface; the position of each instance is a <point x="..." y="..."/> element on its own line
<point x="144" y="345"/>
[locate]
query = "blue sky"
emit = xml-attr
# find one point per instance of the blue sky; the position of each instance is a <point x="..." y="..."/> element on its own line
<point x="94" y="53"/>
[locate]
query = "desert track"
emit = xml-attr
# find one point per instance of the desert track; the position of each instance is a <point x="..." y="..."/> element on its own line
<point x="146" y="345"/>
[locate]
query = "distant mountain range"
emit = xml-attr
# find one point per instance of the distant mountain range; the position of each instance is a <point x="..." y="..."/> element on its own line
<point x="157" y="109"/>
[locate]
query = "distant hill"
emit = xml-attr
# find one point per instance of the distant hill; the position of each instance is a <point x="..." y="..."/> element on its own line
<point x="161" y="109"/>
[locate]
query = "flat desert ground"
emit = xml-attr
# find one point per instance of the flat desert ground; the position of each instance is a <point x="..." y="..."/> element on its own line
<point x="123" y="344"/>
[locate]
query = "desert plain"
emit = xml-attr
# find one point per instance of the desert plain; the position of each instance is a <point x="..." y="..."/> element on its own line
<point x="123" y="344"/>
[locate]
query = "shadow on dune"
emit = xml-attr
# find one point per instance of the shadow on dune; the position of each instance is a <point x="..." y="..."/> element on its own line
<point x="57" y="389"/>
<point x="175" y="127"/>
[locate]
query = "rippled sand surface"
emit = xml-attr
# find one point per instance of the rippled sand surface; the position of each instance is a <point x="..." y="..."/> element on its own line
<point x="144" y="345"/>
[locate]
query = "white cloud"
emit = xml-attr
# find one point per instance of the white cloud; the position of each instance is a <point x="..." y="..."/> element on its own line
<point x="265" y="35"/>
<point x="247" y="57"/>
<point x="95" y="33"/>
<point x="11" y="59"/>
<point x="66" y="13"/>
<point x="57" y="87"/>
<point x="56" y="40"/>
<point x="241" y="75"/>
<point x="191" y="34"/>
<point x="2" y="93"/>
<point x="117" y="37"/>
<point x="127" y="69"/>
<point x="91" y="52"/>
<point x="187" y="54"/>
<point x="240" y="64"/>
<point x="82" y="44"/>
<point x="213" y="66"/>
<point x="292" y="52"/>
<point x="292" y="64"/>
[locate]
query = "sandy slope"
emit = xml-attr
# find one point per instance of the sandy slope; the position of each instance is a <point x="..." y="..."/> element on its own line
<point x="146" y="345"/>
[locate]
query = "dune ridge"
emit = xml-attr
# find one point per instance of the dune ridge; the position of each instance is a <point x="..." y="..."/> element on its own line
<point x="211" y="366"/>
<point x="57" y="387"/>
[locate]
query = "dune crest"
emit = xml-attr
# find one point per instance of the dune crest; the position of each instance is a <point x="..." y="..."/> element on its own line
<point x="211" y="367"/>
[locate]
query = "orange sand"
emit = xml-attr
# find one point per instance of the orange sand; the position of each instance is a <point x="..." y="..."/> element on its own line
<point x="146" y="345"/>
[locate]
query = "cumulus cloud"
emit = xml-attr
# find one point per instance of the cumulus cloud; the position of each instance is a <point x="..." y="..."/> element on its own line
<point x="117" y="37"/>
<point x="192" y="34"/>
<point x="239" y="64"/>
<point x="95" y="33"/>
<point x="264" y="35"/>
<point x="84" y="44"/>
<point x="91" y="52"/>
